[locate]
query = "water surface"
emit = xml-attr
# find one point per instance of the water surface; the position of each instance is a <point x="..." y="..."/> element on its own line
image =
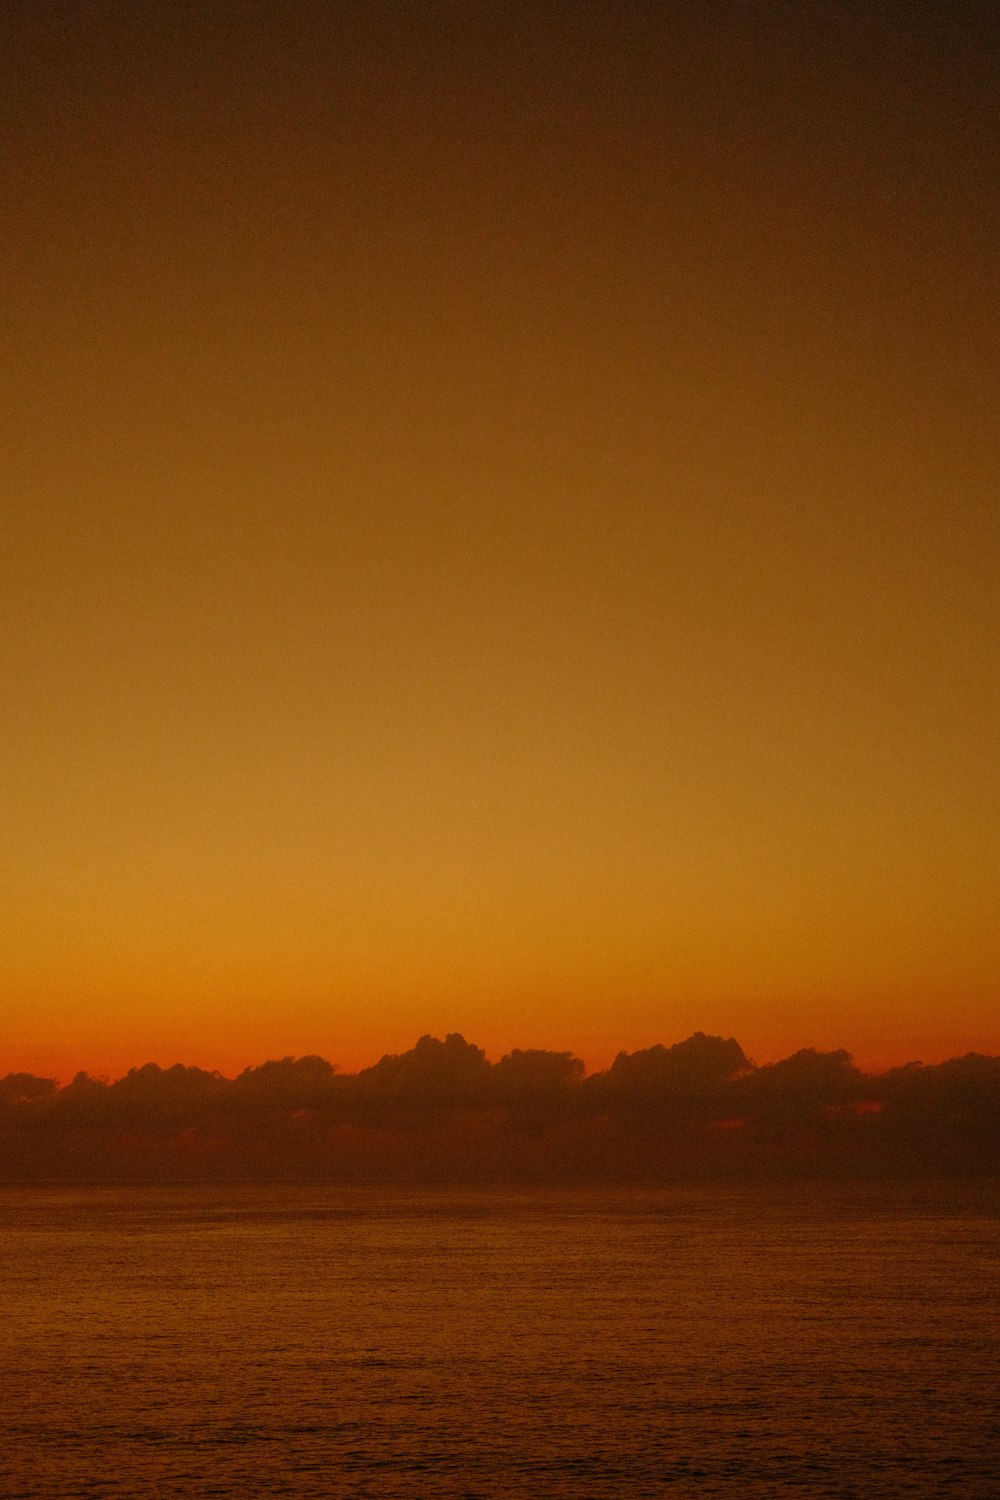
<point x="809" y="1339"/>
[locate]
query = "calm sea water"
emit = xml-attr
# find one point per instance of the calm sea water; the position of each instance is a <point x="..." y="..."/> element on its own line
<point x="811" y="1340"/>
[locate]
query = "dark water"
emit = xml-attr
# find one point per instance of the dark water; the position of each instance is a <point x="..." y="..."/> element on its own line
<point x="808" y="1340"/>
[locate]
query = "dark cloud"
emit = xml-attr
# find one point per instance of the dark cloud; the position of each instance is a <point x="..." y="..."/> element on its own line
<point x="536" y="1076"/>
<point x="432" y="1075"/>
<point x="24" y="1088"/>
<point x="443" y="1112"/>
<point x="944" y="1119"/>
<point x="807" y="1082"/>
<point x="291" y="1083"/>
<point x="685" y="1072"/>
<point x="85" y="1101"/>
<point x="431" y="1065"/>
<point x="170" y="1096"/>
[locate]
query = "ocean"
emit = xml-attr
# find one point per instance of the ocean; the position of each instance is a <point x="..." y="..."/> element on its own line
<point x="808" y="1339"/>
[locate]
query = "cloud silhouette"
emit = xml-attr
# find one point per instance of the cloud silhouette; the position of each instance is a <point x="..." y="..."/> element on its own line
<point x="433" y="1074"/>
<point x="945" y="1118"/>
<point x="443" y="1112"/>
<point x="24" y="1088"/>
<point x="170" y="1096"/>
<point x="290" y="1084"/>
<point x="807" y="1082"/>
<point x="688" y="1072"/>
<point x="533" y="1071"/>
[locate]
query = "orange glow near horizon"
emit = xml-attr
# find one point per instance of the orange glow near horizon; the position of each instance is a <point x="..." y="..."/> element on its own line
<point x="898" y="1031"/>
<point x="500" y="536"/>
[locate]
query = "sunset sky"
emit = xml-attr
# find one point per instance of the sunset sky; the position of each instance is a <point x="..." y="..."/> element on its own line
<point x="499" y="529"/>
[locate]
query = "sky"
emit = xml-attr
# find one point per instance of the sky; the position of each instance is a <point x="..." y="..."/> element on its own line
<point x="499" y="529"/>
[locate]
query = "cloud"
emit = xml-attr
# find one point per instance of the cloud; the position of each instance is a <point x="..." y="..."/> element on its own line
<point x="807" y="1082"/>
<point x="945" y="1118"/>
<point x="536" y="1077"/>
<point x="291" y="1084"/>
<point x="443" y="1112"/>
<point x="24" y="1088"/>
<point x="686" y="1072"/>
<point x="535" y="1068"/>
<point x="433" y="1073"/>
<point x="174" y="1096"/>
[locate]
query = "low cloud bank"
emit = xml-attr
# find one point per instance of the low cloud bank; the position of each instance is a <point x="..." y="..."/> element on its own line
<point x="442" y="1112"/>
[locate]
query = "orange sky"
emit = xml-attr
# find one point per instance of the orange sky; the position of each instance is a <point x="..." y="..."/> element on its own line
<point x="500" y="531"/>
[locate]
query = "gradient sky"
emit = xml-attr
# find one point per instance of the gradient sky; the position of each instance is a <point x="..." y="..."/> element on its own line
<point x="500" y="529"/>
